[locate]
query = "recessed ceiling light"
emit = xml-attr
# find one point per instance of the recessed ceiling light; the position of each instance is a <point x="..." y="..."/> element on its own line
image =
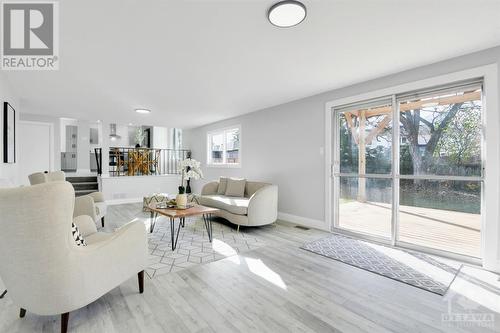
<point x="287" y="13"/>
<point x="142" y="111"/>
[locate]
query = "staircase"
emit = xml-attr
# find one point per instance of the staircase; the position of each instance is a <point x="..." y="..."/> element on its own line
<point x="84" y="185"/>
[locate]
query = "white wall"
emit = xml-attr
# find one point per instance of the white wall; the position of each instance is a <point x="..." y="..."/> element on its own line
<point x="7" y="94"/>
<point x="160" y="137"/>
<point x="280" y="145"/>
<point x="98" y="127"/>
<point x="134" y="188"/>
<point x="283" y="144"/>
<point x="83" y="147"/>
<point x="123" y="132"/>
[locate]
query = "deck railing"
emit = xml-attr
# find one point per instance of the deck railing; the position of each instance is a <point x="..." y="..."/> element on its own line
<point x="125" y="161"/>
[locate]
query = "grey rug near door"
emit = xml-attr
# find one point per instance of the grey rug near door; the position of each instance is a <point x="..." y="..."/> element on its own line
<point x="416" y="269"/>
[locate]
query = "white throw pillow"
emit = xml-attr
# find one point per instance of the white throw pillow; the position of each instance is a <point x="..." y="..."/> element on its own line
<point x="236" y="187"/>
<point x="222" y="185"/>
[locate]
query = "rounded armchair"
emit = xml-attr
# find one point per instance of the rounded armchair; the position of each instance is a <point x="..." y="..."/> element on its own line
<point x="92" y="204"/>
<point x="42" y="267"/>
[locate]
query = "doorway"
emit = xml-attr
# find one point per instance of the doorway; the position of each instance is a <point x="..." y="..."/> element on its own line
<point x="408" y="169"/>
<point x="36" y="144"/>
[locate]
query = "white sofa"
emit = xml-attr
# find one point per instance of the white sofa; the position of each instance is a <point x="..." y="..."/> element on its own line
<point x="259" y="206"/>
<point x="43" y="268"/>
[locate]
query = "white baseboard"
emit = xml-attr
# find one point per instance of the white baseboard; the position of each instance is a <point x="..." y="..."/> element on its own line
<point x="123" y="201"/>
<point x="304" y="221"/>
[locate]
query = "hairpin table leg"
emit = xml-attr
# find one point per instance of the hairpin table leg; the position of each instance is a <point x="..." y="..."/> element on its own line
<point x="154" y="215"/>
<point x="3" y="294"/>
<point x="207" y="220"/>
<point x="172" y="231"/>
<point x="211" y="228"/>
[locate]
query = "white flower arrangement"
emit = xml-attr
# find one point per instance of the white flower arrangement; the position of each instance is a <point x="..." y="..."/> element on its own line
<point x="191" y="169"/>
<point x="192" y="174"/>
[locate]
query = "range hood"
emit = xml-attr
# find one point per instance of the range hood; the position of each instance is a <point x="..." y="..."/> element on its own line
<point x="112" y="132"/>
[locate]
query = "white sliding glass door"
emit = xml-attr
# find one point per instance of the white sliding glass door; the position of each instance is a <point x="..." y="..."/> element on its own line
<point x="363" y="168"/>
<point x="441" y="178"/>
<point x="418" y="184"/>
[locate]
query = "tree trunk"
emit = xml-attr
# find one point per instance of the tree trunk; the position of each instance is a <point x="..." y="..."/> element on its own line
<point x="436" y="134"/>
<point x="411" y="123"/>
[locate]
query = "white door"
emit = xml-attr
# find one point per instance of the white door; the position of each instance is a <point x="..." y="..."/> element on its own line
<point x="35" y="148"/>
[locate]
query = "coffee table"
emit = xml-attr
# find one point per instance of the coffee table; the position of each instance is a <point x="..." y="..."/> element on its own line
<point x="181" y="214"/>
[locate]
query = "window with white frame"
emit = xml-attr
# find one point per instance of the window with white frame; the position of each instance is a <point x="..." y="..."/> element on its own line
<point x="224" y="147"/>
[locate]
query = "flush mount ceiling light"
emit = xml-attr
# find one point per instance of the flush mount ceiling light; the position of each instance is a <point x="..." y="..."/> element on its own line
<point x="142" y="111"/>
<point x="288" y="13"/>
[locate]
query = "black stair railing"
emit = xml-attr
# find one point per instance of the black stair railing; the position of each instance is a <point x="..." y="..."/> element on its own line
<point x="98" y="159"/>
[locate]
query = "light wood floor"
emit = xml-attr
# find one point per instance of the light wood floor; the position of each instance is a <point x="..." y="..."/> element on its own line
<point x="435" y="228"/>
<point x="276" y="288"/>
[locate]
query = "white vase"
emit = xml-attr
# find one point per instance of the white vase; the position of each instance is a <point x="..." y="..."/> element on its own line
<point x="181" y="200"/>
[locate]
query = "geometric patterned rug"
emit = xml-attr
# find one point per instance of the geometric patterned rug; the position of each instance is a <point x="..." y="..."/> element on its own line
<point x="417" y="269"/>
<point x="193" y="247"/>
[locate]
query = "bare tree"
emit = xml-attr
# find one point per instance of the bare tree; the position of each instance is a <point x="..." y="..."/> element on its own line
<point x="414" y="123"/>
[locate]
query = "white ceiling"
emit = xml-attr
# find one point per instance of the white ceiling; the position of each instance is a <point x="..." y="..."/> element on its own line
<point x="197" y="61"/>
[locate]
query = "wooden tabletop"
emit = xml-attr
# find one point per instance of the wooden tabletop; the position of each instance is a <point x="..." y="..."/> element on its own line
<point x="174" y="212"/>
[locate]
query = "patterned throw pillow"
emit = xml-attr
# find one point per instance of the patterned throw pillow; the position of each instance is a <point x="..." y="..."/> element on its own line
<point x="77" y="235"/>
<point x="154" y="198"/>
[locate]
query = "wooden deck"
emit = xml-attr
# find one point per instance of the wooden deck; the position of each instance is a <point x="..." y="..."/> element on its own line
<point x="439" y="229"/>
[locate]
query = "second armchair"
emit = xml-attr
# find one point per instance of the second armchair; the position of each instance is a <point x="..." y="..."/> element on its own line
<point x="92" y="204"/>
